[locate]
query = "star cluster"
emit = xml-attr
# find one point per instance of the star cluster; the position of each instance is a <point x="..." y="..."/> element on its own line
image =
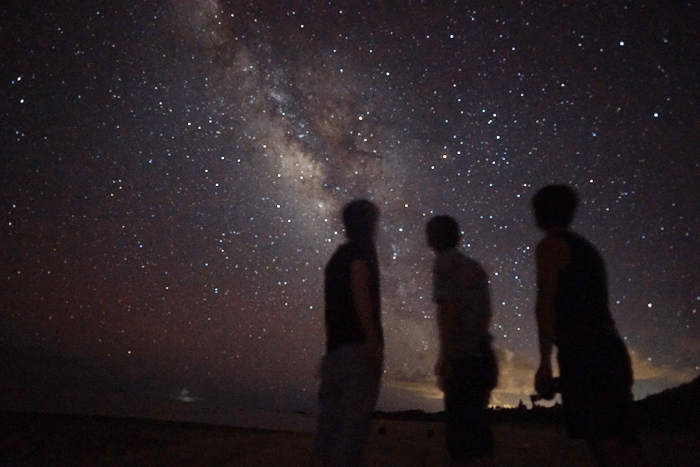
<point x="173" y="173"/>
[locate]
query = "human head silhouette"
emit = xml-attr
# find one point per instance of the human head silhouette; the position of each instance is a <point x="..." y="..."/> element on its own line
<point x="554" y="206"/>
<point x="360" y="220"/>
<point x="442" y="232"/>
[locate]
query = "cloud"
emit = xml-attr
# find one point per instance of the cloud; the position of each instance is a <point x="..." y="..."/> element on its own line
<point x="516" y="376"/>
<point x="646" y="369"/>
<point x="410" y="369"/>
<point x="516" y="372"/>
<point x="426" y="389"/>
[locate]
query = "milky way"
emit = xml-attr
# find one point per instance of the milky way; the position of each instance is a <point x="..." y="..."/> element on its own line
<point x="173" y="172"/>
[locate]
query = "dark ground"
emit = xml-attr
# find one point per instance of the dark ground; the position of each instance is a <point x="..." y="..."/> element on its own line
<point x="63" y="440"/>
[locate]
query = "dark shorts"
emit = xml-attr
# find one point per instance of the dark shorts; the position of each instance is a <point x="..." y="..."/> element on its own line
<point x="596" y="390"/>
<point x="467" y="392"/>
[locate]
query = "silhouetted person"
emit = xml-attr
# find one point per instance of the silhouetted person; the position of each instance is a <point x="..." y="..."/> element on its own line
<point x="466" y="369"/>
<point x="351" y="369"/>
<point x="572" y="313"/>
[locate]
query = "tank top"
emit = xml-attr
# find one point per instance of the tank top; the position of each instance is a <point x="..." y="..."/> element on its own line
<point x="582" y="314"/>
<point x="342" y="322"/>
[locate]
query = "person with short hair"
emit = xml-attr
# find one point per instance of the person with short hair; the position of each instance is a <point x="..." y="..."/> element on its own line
<point x="573" y="314"/>
<point x="352" y="366"/>
<point x="466" y="368"/>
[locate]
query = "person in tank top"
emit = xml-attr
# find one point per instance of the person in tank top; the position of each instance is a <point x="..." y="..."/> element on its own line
<point x="352" y="366"/>
<point x="573" y="315"/>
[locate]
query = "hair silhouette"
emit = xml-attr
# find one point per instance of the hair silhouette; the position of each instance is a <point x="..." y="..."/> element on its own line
<point x="555" y="206"/>
<point x="443" y="232"/>
<point x="360" y="218"/>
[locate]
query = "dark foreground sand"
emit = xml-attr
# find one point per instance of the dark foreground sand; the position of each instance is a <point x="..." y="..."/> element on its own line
<point x="61" y="440"/>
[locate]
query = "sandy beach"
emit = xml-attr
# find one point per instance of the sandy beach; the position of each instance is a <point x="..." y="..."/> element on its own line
<point x="64" y="440"/>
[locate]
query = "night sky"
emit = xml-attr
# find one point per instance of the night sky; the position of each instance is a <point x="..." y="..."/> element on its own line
<point x="172" y="174"/>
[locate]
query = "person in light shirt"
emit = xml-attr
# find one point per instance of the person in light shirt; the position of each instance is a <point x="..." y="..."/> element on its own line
<point x="466" y="368"/>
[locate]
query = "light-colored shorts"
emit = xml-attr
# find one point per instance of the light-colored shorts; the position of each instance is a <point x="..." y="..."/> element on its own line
<point x="347" y="397"/>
